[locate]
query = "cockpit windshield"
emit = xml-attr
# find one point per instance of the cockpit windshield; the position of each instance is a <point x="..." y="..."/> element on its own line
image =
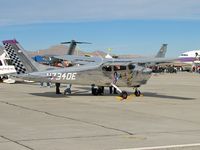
<point x="118" y="67"/>
<point x="184" y="54"/>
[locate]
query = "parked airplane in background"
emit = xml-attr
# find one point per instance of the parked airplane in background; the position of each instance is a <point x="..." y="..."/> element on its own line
<point x="161" y="53"/>
<point x="72" y="46"/>
<point x="190" y="57"/>
<point x="101" y="72"/>
<point x="6" y="68"/>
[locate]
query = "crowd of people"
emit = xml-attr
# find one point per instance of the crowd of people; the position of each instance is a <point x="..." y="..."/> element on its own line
<point x="166" y="69"/>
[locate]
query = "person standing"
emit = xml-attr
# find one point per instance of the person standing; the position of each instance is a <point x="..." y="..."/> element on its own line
<point x="58" y="88"/>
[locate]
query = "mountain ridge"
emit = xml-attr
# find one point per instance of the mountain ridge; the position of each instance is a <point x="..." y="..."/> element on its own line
<point x="62" y="50"/>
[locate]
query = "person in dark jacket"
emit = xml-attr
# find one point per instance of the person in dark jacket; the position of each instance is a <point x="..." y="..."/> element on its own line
<point x="58" y="88"/>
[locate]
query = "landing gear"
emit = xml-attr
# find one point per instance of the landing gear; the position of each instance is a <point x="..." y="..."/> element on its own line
<point x="68" y="89"/>
<point x="137" y="93"/>
<point x="3" y="78"/>
<point x="97" y="91"/>
<point x="100" y="90"/>
<point x="94" y="91"/>
<point x="124" y="95"/>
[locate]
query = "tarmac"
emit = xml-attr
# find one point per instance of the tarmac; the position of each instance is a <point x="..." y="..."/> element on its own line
<point x="167" y="116"/>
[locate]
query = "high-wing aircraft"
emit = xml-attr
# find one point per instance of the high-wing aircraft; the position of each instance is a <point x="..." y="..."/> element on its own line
<point x="101" y="72"/>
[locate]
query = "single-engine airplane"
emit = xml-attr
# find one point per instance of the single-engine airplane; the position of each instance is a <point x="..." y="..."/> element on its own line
<point x="101" y="72"/>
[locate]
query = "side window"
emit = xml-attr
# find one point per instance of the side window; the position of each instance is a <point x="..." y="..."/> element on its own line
<point x="119" y="68"/>
<point x="1" y="63"/>
<point x="107" y="68"/>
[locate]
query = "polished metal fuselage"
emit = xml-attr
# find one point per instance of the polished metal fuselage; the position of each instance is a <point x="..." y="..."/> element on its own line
<point x="94" y="74"/>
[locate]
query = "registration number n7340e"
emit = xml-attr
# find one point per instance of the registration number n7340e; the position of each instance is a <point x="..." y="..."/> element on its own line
<point x="62" y="76"/>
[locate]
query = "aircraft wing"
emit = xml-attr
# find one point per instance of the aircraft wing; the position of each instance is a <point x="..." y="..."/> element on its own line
<point x="152" y="60"/>
<point x="86" y="60"/>
<point x="141" y="60"/>
<point x="80" y="59"/>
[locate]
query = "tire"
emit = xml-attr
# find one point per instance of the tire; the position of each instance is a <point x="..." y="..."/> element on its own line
<point x="95" y="91"/>
<point x="137" y="93"/>
<point x="124" y="94"/>
<point x="100" y="90"/>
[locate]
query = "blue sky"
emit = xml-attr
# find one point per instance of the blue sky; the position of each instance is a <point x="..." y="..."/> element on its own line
<point x="126" y="26"/>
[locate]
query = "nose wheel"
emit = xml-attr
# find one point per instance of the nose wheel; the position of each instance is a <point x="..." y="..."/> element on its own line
<point x="137" y="93"/>
<point x="124" y="95"/>
<point x="97" y="91"/>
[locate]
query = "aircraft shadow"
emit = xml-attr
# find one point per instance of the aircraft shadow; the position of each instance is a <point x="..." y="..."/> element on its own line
<point x="146" y="94"/>
<point x="74" y="93"/>
<point x="49" y="94"/>
<point x="156" y="95"/>
<point x="87" y="93"/>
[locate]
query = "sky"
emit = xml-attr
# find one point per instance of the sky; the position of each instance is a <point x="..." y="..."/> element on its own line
<point x="126" y="26"/>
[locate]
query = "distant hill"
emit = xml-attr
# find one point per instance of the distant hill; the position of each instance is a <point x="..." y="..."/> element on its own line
<point x="53" y="50"/>
<point x="63" y="49"/>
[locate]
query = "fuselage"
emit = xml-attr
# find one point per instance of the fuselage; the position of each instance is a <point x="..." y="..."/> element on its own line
<point x="129" y="75"/>
<point x="190" y="57"/>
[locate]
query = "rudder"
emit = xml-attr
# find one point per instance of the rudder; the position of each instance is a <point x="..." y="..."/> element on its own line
<point x="161" y="53"/>
<point x="21" y="61"/>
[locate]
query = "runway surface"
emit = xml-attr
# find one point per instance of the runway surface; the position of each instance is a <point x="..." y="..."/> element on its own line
<point x="166" y="117"/>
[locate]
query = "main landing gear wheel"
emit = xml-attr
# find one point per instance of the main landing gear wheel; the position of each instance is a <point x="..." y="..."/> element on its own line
<point x="137" y="93"/>
<point x="97" y="91"/>
<point x="94" y="91"/>
<point x="124" y="94"/>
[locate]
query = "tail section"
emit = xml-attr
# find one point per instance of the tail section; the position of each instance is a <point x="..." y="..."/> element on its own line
<point x="161" y="53"/>
<point x="22" y="62"/>
<point x="72" y="46"/>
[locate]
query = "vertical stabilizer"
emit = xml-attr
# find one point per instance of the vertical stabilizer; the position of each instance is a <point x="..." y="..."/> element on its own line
<point x="22" y="62"/>
<point x="72" y="46"/>
<point x="161" y="53"/>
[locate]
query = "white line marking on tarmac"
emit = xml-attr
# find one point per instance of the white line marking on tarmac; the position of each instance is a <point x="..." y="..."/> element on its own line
<point x="163" y="147"/>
